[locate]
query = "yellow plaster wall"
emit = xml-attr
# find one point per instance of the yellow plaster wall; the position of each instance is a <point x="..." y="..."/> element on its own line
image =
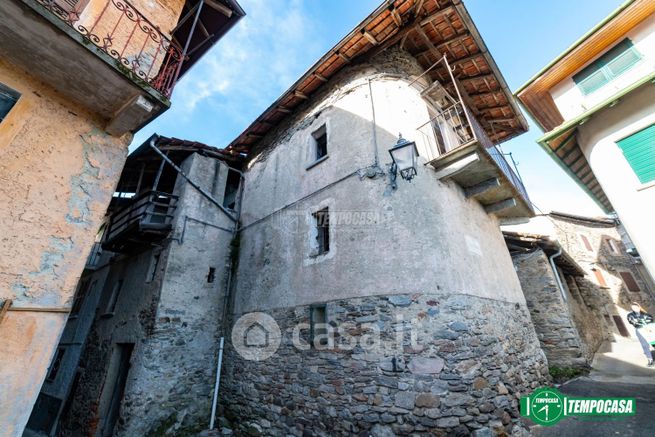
<point x="129" y="40"/>
<point x="58" y="171"/>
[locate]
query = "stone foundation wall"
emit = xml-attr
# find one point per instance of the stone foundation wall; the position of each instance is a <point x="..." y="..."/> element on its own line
<point x="559" y="323"/>
<point x="471" y="360"/>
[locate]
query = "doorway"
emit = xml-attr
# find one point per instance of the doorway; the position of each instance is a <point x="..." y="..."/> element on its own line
<point x="114" y="388"/>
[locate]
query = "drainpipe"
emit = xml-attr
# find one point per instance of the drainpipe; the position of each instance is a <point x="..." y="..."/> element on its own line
<point x="218" y="382"/>
<point x="557" y="277"/>
<point x="226" y="302"/>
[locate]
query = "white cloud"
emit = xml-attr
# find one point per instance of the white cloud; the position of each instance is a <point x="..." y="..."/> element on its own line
<point x="259" y="58"/>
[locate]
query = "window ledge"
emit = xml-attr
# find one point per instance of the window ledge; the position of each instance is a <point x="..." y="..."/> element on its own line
<point x="646" y="186"/>
<point x="318" y="161"/>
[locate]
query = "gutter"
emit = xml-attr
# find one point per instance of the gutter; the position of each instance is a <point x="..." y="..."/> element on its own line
<point x="580" y="40"/>
<point x="551" y="259"/>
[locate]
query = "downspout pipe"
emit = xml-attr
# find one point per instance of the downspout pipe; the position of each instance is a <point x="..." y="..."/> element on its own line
<point x="226" y="302"/>
<point x="560" y="285"/>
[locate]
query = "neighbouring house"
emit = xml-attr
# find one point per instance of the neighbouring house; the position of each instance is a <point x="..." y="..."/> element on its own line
<point x="579" y="281"/>
<point x="333" y="237"/>
<point x="151" y="301"/>
<point x="596" y="104"/>
<point x="77" y="78"/>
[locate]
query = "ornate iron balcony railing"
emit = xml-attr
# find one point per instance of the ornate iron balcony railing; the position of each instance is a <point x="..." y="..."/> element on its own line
<point x="122" y="32"/>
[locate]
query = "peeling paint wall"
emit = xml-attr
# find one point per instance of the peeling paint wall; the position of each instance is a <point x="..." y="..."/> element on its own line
<point x="58" y="171"/>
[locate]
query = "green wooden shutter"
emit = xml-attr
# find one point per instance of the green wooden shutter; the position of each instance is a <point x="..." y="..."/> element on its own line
<point x="639" y="151"/>
<point x="615" y="62"/>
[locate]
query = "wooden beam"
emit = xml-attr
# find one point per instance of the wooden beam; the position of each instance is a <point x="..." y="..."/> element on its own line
<point x="499" y="206"/>
<point x="369" y="37"/>
<point x="4" y="308"/>
<point x="300" y="95"/>
<point x="256" y="136"/>
<point x="320" y="77"/>
<point x="436" y="14"/>
<point x="428" y="43"/>
<point x="418" y="7"/>
<point x="396" y="17"/>
<point x="342" y="56"/>
<point x="446" y="43"/>
<point x="477" y="77"/>
<point x="466" y="59"/>
<point x="482" y="187"/>
<point x="283" y="109"/>
<point x="489" y="108"/>
<point x="219" y="7"/>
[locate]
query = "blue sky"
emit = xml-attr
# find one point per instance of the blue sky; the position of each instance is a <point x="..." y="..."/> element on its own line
<point x="279" y="40"/>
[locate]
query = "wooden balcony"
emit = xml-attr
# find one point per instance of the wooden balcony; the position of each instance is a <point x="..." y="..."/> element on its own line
<point x="460" y="150"/>
<point x="144" y="220"/>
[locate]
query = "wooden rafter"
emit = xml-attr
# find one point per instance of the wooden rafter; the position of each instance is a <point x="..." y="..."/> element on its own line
<point x="369" y="37"/>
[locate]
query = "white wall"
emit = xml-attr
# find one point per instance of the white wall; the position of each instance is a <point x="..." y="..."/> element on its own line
<point x="571" y="102"/>
<point x="634" y="202"/>
<point x="424" y="237"/>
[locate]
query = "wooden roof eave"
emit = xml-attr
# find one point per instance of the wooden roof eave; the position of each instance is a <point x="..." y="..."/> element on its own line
<point x="363" y="45"/>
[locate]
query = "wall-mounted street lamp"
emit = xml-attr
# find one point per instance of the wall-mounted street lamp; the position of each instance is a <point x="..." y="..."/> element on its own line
<point x="404" y="155"/>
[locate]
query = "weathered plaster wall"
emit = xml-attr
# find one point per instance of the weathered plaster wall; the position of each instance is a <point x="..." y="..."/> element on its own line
<point x="473" y="359"/>
<point x="424" y="236"/>
<point x="57" y="173"/>
<point x="422" y="252"/>
<point x="174" y="322"/>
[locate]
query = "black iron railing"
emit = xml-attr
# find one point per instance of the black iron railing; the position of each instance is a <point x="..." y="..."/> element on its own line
<point x="149" y="212"/>
<point x="453" y="128"/>
<point x="122" y="32"/>
<point x="499" y="158"/>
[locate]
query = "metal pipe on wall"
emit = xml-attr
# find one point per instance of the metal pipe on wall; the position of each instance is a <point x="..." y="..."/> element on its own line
<point x="557" y="277"/>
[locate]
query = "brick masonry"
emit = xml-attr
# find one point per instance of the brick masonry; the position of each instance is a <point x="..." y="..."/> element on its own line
<point x="473" y="358"/>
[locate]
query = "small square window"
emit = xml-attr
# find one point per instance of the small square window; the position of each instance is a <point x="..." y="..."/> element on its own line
<point x="320" y="142"/>
<point x="629" y="281"/>
<point x="8" y="99"/>
<point x="586" y="243"/>
<point x="56" y="365"/>
<point x="322" y="223"/>
<point x="211" y="275"/>
<point x="318" y="324"/>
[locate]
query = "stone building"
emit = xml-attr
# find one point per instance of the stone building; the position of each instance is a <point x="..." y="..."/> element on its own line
<point x="150" y="301"/>
<point x="331" y="241"/>
<point x="579" y="281"/>
<point x="77" y="77"/>
<point x="365" y="292"/>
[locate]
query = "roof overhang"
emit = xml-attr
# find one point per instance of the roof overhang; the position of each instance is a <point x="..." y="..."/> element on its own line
<point x="427" y="29"/>
<point x="520" y="242"/>
<point x="560" y="140"/>
<point x="215" y="19"/>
